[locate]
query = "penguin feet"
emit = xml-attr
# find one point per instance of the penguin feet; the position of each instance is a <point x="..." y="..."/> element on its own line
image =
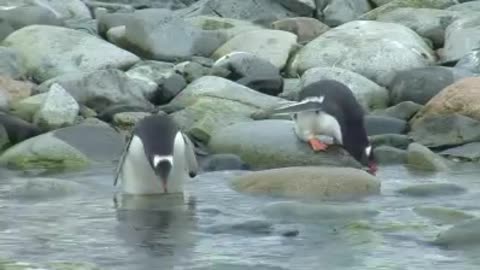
<point x="317" y="145"/>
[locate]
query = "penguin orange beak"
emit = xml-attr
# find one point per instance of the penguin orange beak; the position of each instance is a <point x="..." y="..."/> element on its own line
<point x="317" y="145"/>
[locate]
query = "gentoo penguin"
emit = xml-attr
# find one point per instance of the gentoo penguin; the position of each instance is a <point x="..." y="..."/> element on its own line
<point x="157" y="159"/>
<point x="328" y="107"/>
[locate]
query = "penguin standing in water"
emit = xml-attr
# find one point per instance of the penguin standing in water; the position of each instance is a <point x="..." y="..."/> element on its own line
<point x="157" y="159"/>
<point x="328" y="107"/>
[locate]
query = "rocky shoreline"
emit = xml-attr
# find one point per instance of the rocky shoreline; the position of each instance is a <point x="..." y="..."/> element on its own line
<point x="76" y="75"/>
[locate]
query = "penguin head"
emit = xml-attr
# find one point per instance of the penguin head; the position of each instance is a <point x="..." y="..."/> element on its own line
<point x="368" y="159"/>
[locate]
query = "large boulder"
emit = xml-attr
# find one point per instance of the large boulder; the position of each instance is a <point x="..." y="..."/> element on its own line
<point x="161" y="35"/>
<point x="470" y="62"/>
<point x="265" y="11"/>
<point x="10" y="63"/>
<point x="100" y="89"/>
<point x="423" y="158"/>
<point x="50" y="51"/>
<point x="427" y="22"/>
<point x="422" y="84"/>
<point x="445" y="130"/>
<point x="257" y="143"/>
<point x="305" y="28"/>
<point x="461" y="37"/>
<point x="69" y="148"/>
<point x="462" y="98"/>
<point x="369" y="94"/>
<point x="212" y="102"/>
<point x="337" y="12"/>
<point x="388" y="6"/>
<point x="376" y="50"/>
<point x="321" y="182"/>
<point x="272" y="45"/>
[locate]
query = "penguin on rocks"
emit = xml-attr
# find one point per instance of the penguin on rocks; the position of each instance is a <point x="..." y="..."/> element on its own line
<point x="329" y="108"/>
<point x="157" y="159"/>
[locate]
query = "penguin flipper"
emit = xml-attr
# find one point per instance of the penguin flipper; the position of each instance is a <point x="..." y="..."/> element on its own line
<point x="298" y="107"/>
<point x="190" y="156"/>
<point x="121" y="161"/>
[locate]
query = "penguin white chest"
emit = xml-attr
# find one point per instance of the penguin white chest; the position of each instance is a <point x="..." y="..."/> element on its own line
<point x="137" y="176"/>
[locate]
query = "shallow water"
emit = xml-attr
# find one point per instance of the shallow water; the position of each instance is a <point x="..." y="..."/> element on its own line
<point x="218" y="228"/>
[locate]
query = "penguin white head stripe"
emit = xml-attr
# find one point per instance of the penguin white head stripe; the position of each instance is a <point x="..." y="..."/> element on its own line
<point x="157" y="159"/>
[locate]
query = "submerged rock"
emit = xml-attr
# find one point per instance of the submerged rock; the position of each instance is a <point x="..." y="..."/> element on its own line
<point x="222" y="162"/>
<point x="258" y="143"/>
<point x="395" y="140"/>
<point x="324" y="183"/>
<point x="41" y="188"/>
<point x="423" y="158"/>
<point x="433" y="189"/>
<point x="442" y="215"/>
<point x="466" y="233"/>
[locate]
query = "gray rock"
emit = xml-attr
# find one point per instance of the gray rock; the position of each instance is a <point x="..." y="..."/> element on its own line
<point x="252" y="71"/>
<point x="442" y="215"/>
<point x="210" y="103"/>
<point x="191" y="70"/>
<point x="168" y="4"/>
<point x="305" y="28"/>
<point x="65" y="9"/>
<point x="469" y="151"/>
<point x="4" y="140"/>
<point x="158" y="34"/>
<point x="17" y="129"/>
<point x="71" y="148"/>
<point x="272" y="45"/>
<point x="465" y="7"/>
<point x="87" y="25"/>
<point x="109" y="7"/>
<point x="100" y="89"/>
<point x="27" y="107"/>
<point x="5" y="29"/>
<point x="470" y="62"/>
<point x="300" y="211"/>
<point x="432" y="189"/>
<point x="369" y="94"/>
<point x="59" y="109"/>
<point x="387" y="155"/>
<point x="364" y="47"/>
<point x="338" y="12"/>
<point x="291" y="86"/>
<point x="300" y="7"/>
<point x="40" y="188"/>
<point x="394" y="4"/>
<point x="65" y="51"/>
<point x="223" y="162"/>
<point x="421" y="84"/>
<point x="464" y="234"/>
<point x="395" y="140"/>
<point x="22" y="16"/>
<point x="320" y="182"/>
<point x="127" y="120"/>
<point x="427" y="22"/>
<point x="227" y="27"/>
<point x="403" y="110"/>
<point x="154" y="71"/>
<point x="421" y="157"/>
<point x="106" y="21"/>
<point x="446" y="130"/>
<point x="461" y="37"/>
<point x="265" y="11"/>
<point x="376" y="125"/>
<point x="257" y="143"/>
<point x="116" y="35"/>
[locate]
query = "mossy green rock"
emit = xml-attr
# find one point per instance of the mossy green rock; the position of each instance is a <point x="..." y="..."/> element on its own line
<point x="319" y="182"/>
<point x="44" y="152"/>
<point x="269" y="144"/>
<point x="392" y="5"/>
<point x="26" y="108"/>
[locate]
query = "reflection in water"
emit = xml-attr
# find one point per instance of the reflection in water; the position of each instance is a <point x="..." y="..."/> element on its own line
<point x="157" y="225"/>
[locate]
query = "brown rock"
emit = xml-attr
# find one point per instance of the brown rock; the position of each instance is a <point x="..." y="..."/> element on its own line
<point x="15" y="90"/>
<point x="461" y="97"/>
<point x="312" y="182"/>
<point x="305" y="28"/>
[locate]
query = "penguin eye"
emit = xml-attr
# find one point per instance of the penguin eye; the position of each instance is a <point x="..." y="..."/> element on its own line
<point x="317" y="112"/>
<point x="295" y="116"/>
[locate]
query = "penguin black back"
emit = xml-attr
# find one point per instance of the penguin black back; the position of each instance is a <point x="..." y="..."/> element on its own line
<point x="157" y="133"/>
<point x="340" y="102"/>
